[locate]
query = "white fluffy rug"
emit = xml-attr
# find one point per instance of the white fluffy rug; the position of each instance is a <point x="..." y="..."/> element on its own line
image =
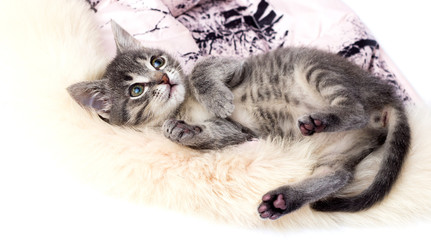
<point x="50" y="44"/>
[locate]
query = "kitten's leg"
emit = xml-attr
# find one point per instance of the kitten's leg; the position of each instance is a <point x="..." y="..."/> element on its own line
<point x="341" y="119"/>
<point x="334" y="170"/>
<point x="215" y="133"/>
<point x="323" y="182"/>
<point x="344" y="109"/>
<point x="333" y="119"/>
<point x="343" y="112"/>
<point x="211" y="80"/>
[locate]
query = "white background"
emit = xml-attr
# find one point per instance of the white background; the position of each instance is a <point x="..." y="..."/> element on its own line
<point x="38" y="203"/>
<point x="403" y="30"/>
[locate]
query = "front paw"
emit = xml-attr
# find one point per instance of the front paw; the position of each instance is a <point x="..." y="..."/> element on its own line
<point x="179" y="131"/>
<point x="218" y="100"/>
<point x="279" y="202"/>
<point x="221" y="104"/>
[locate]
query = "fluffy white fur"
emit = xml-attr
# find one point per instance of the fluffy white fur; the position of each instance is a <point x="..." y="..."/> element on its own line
<point x="50" y="44"/>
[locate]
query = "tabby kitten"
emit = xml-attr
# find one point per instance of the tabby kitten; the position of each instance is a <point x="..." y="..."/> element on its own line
<point x="289" y="93"/>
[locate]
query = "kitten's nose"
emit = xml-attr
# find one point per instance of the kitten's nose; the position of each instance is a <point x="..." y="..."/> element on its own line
<point x="164" y="79"/>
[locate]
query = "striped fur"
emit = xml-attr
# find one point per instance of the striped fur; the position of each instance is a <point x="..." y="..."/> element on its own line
<point x="292" y="92"/>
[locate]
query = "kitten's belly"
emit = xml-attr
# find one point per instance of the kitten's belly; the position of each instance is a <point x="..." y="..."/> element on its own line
<point x="276" y="120"/>
<point x="244" y="116"/>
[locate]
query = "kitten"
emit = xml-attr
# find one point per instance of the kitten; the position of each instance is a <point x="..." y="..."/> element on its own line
<point x="289" y="92"/>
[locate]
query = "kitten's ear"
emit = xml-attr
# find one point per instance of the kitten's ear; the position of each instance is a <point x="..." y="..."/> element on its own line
<point x="93" y="95"/>
<point x="123" y="39"/>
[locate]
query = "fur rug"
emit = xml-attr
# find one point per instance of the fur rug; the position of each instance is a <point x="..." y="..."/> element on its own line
<point x="50" y="44"/>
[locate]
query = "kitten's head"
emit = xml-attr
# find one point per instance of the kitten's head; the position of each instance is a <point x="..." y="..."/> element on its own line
<point x="141" y="85"/>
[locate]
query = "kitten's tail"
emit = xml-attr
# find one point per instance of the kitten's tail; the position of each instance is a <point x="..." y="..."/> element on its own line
<point x="397" y="145"/>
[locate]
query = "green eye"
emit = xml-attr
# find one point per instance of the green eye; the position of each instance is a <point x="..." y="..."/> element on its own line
<point x="136" y="90"/>
<point x="157" y="62"/>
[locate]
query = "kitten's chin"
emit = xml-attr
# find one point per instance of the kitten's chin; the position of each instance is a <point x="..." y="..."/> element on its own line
<point x="176" y="94"/>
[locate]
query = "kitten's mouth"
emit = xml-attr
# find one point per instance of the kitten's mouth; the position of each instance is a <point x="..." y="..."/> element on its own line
<point x="165" y="80"/>
<point x="172" y="88"/>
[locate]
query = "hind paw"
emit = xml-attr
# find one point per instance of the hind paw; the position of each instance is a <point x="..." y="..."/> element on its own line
<point x="273" y="206"/>
<point x="309" y="125"/>
<point x="278" y="203"/>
